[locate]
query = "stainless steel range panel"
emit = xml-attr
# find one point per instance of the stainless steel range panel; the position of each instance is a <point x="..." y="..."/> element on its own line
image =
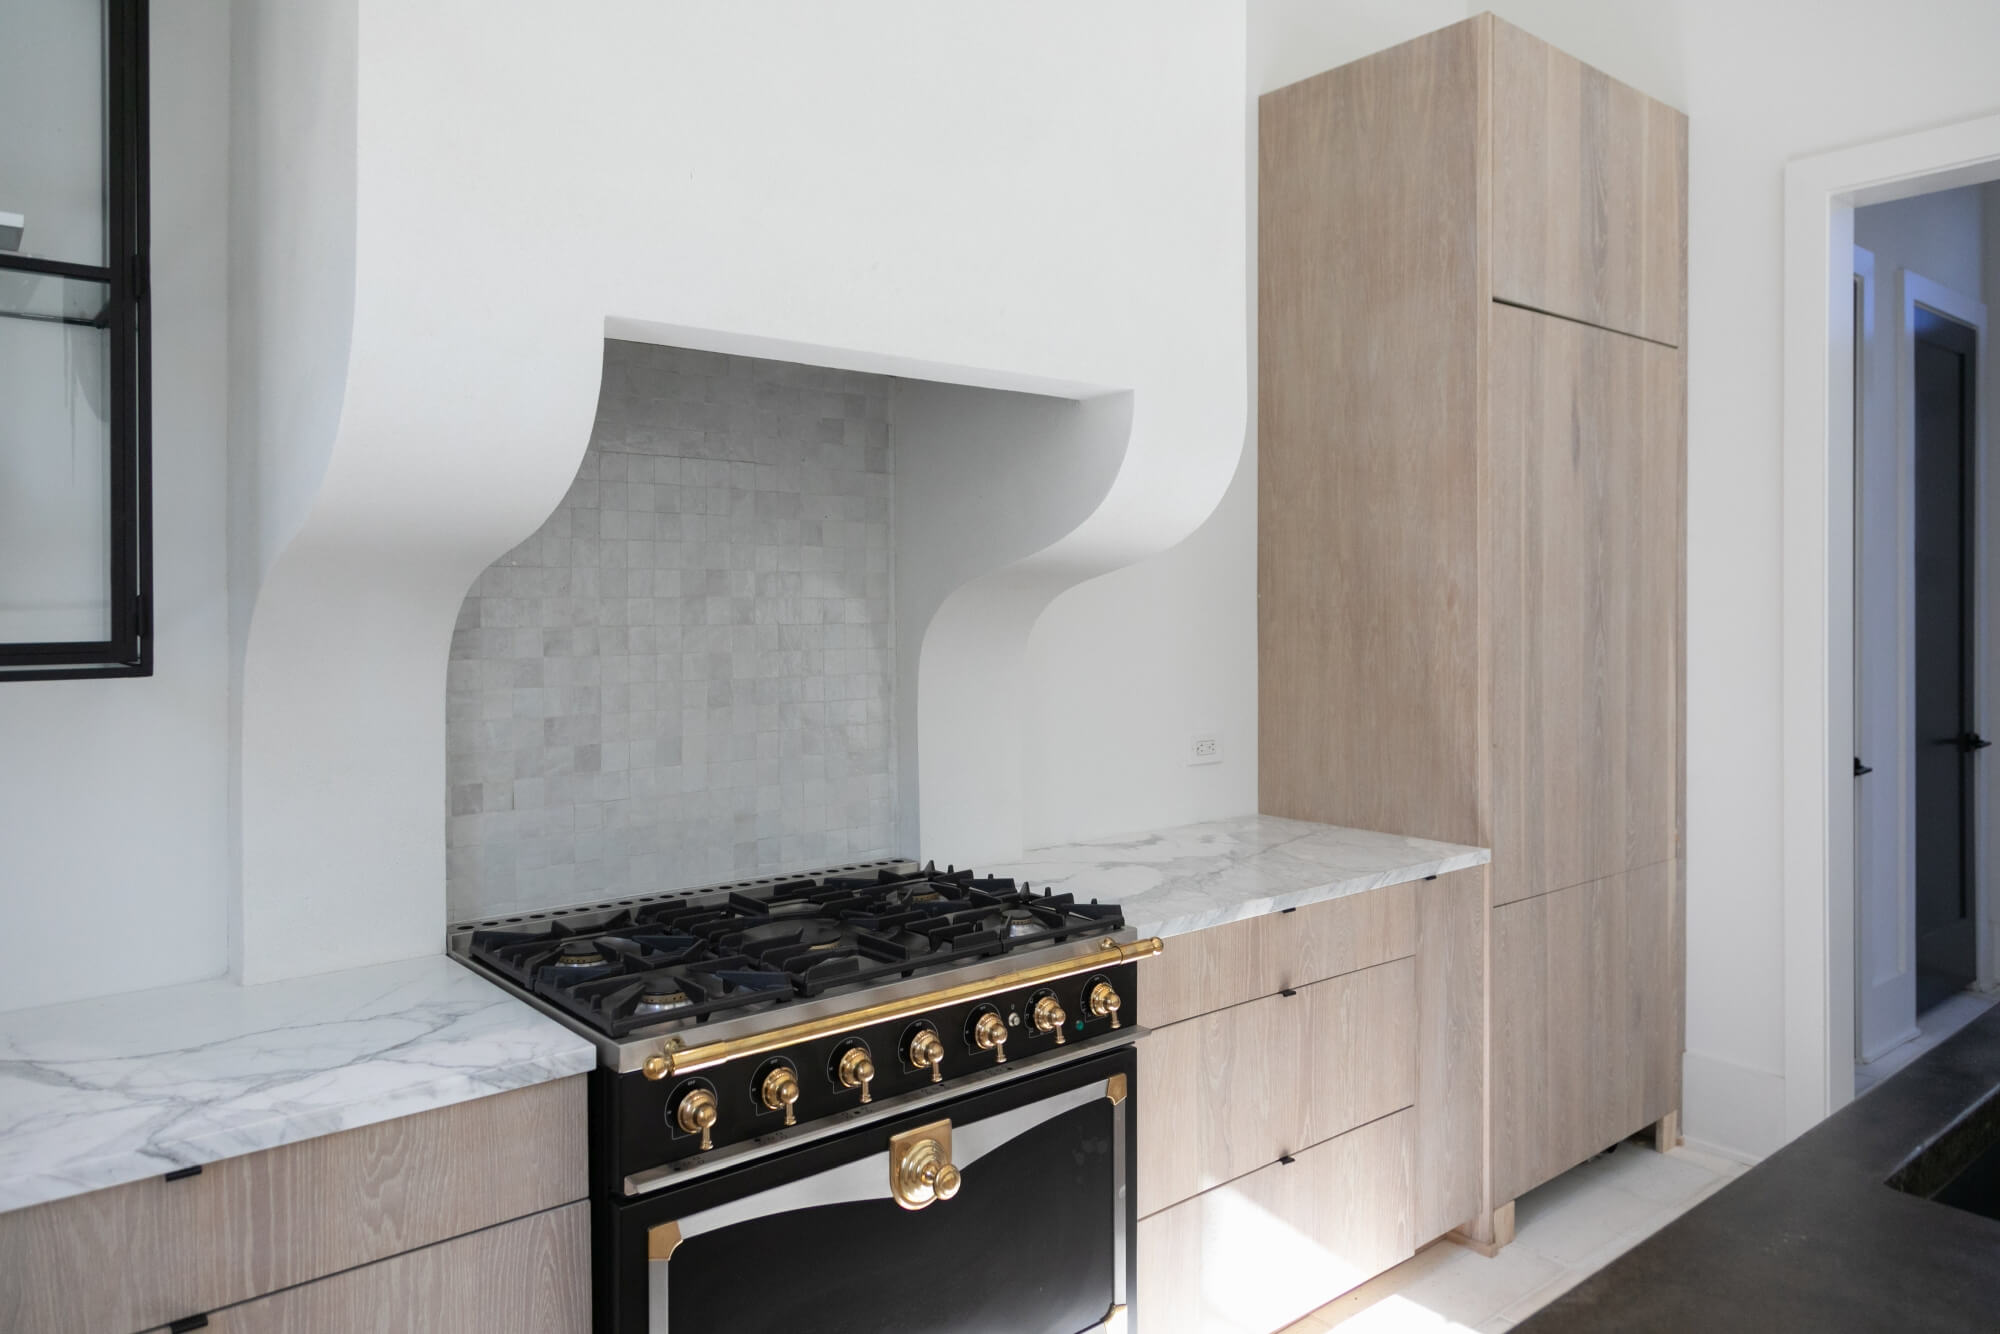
<point x="814" y="1090"/>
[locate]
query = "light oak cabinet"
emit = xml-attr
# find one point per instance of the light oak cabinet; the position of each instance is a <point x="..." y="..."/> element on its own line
<point x="530" y="1276"/>
<point x="1321" y="1117"/>
<point x="1262" y="1251"/>
<point x="1228" y="1092"/>
<point x="1472" y="537"/>
<point x="152" y="1252"/>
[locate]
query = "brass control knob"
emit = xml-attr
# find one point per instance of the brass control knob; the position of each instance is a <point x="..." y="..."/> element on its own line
<point x="696" y="1115"/>
<point x="1049" y="1016"/>
<point x="856" y="1071"/>
<point x="990" y="1032"/>
<point x="781" y="1090"/>
<point x="927" y="1050"/>
<point x="1104" y="1002"/>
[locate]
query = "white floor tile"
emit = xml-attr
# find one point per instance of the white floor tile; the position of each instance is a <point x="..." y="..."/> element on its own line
<point x="1565" y="1231"/>
<point x="1468" y="1288"/>
<point x="1663" y="1178"/>
<point x="1571" y="1230"/>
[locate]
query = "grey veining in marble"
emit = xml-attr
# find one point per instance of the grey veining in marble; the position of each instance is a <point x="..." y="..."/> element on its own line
<point x="113" y="1090"/>
<point x="1177" y="880"/>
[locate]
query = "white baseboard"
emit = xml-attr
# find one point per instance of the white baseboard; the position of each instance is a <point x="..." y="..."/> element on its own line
<point x="1731" y="1110"/>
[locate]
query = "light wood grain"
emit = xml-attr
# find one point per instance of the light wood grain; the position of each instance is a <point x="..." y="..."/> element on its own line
<point x="1589" y="193"/>
<point x="1369" y="331"/>
<point x="1585" y="551"/>
<point x="153" y="1251"/>
<point x="530" y="1276"/>
<point x="1229" y="1092"/>
<point x="1259" y="1253"/>
<point x="1261" y="956"/>
<point x="1583" y="1051"/>
<point x="1450" y="984"/>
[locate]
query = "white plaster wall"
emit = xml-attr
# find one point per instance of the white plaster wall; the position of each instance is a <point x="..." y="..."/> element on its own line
<point x="1938" y="236"/>
<point x="113" y="793"/>
<point x="1053" y="196"/>
<point x="985" y="478"/>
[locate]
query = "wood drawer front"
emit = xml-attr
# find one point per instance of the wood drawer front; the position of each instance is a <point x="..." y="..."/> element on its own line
<point x="1586" y="1030"/>
<point x="1261" y="956"/>
<point x="1229" y="1092"/>
<point x="530" y="1276"/>
<point x="150" y="1252"/>
<point x="1260" y="1252"/>
<point x="1589" y="193"/>
<point x="1587" y="449"/>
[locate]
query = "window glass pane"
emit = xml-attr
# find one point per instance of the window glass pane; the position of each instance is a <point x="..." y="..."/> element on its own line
<point x="52" y="128"/>
<point x="55" y="489"/>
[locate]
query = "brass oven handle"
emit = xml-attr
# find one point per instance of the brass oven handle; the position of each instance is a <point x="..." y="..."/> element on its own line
<point x="687" y="1060"/>
<point x="920" y="1170"/>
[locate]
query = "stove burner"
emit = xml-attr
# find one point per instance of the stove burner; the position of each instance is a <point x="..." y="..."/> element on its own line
<point x="661" y="999"/>
<point x="689" y="959"/>
<point x="579" y="954"/>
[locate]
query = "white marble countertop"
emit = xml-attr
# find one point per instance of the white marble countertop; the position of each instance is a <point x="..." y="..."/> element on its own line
<point x="1173" y="881"/>
<point x="106" y="1091"/>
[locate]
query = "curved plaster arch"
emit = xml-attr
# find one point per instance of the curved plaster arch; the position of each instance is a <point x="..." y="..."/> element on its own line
<point x="1058" y="194"/>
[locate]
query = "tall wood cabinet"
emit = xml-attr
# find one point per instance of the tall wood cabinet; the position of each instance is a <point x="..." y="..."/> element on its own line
<point x="1472" y="277"/>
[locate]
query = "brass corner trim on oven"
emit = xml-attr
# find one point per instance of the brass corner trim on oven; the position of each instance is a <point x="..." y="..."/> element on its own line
<point x="688" y="1060"/>
<point x="1114" y="1320"/>
<point x="662" y="1241"/>
<point x="1115" y="1088"/>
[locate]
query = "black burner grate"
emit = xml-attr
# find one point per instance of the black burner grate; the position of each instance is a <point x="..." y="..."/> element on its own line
<point x="692" y="959"/>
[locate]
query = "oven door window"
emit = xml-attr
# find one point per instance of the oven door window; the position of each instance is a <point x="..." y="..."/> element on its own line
<point x="1031" y="1243"/>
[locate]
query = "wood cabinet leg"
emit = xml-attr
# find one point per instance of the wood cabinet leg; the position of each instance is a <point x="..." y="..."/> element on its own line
<point x="1667" y="1132"/>
<point x="1498" y="1227"/>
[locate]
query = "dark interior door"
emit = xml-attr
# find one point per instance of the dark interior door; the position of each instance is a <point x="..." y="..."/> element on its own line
<point x="1946" y="743"/>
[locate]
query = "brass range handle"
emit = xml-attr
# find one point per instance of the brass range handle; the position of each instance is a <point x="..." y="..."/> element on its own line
<point x="1105" y="1002"/>
<point x="1048" y="1015"/>
<point x="696" y="1115"/>
<point x="857" y="1071"/>
<point x="991" y="1035"/>
<point x="676" y="1059"/>
<point x="780" y="1092"/>
<point x="926" y="1049"/>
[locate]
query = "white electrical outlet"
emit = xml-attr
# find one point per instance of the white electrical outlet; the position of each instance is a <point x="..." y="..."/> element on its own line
<point x="1206" y="749"/>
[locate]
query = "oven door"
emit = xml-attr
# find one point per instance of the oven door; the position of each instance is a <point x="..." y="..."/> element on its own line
<point x="854" y="1233"/>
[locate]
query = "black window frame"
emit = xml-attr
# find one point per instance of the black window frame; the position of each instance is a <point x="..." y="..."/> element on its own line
<point x="129" y="650"/>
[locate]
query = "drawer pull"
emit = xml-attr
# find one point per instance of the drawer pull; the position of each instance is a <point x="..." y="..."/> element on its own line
<point x="182" y="1174"/>
<point x="188" y="1322"/>
<point x="1288" y="991"/>
<point x="1286" y="1160"/>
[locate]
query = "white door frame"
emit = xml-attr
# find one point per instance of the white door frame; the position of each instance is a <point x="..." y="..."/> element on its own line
<point x="1817" y="698"/>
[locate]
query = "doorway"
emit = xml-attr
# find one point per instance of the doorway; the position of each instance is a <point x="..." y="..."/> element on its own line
<point x="1823" y="194"/>
<point x="1943" y="377"/>
<point x="1915" y="329"/>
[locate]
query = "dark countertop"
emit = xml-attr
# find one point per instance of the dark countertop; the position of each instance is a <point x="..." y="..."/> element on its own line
<point x="1811" y="1238"/>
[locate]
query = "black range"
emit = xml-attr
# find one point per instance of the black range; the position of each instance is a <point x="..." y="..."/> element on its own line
<point x="841" y="1060"/>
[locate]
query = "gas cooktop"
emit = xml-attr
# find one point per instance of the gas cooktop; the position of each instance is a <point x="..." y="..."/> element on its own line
<point x="628" y="968"/>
